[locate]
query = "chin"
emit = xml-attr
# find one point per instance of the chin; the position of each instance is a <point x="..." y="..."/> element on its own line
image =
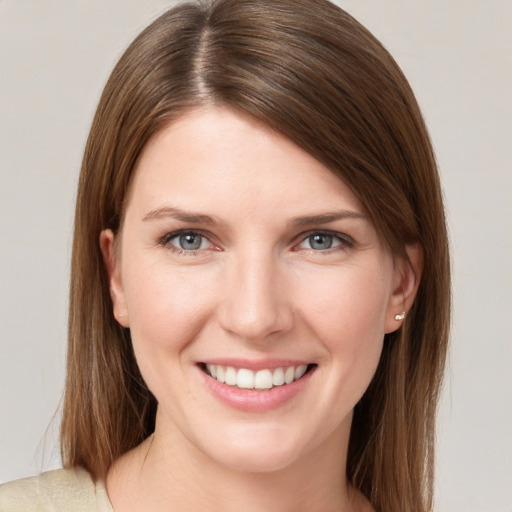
<point x="257" y="449"/>
<point x="257" y="459"/>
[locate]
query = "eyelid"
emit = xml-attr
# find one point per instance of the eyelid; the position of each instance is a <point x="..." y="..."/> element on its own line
<point x="346" y="241"/>
<point x="165" y="241"/>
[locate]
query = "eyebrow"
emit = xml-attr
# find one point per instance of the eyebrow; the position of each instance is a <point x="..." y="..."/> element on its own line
<point x="201" y="218"/>
<point x="182" y="215"/>
<point x="325" y="218"/>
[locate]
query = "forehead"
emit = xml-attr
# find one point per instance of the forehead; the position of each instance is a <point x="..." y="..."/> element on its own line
<point x="229" y="161"/>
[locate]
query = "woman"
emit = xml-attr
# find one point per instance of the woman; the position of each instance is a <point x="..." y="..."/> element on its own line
<point x="260" y="277"/>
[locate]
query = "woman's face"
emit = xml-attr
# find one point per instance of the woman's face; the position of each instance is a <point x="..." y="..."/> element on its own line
<point x="242" y="258"/>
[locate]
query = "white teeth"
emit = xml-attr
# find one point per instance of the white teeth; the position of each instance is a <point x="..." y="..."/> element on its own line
<point x="289" y="375"/>
<point x="262" y="379"/>
<point x="278" y="377"/>
<point x="245" y="379"/>
<point x="300" y="371"/>
<point x="230" y="376"/>
<point x="212" y="370"/>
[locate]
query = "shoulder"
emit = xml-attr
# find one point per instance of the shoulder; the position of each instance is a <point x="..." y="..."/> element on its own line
<point x="55" y="491"/>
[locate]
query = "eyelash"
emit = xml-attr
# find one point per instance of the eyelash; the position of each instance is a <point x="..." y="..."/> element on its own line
<point x="345" y="242"/>
<point x="165" y="241"/>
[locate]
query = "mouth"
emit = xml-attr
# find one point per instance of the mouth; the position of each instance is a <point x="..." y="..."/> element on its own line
<point x="264" y="379"/>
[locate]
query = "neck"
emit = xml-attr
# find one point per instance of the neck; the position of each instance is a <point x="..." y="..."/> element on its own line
<point x="167" y="473"/>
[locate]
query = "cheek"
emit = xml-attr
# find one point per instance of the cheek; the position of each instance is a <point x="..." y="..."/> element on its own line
<point x="166" y="306"/>
<point x="347" y="304"/>
<point x="167" y="309"/>
<point x="347" y="314"/>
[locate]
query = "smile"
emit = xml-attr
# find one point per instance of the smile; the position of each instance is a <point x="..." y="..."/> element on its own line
<point x="264" y="379"/>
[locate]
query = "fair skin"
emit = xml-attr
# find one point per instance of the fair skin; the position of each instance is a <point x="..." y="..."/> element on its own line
<point x="239" y="251"/>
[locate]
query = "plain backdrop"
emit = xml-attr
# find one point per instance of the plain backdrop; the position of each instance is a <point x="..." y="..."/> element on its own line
<point x="55" y="56"/>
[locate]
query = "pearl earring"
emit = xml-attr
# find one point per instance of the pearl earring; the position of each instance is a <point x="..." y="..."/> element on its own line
<point x="400" y="317"/>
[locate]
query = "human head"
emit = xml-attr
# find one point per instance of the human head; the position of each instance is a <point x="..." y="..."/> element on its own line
<point x="309" y="71"/>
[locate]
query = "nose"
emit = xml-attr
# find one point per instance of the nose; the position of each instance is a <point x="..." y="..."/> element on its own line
<point x="255" y="306"/>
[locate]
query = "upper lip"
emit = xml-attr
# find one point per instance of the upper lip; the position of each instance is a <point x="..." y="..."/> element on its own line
<point x="256" y="364"/>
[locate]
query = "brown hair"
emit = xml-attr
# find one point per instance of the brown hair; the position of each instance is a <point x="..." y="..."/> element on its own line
<point x="311" y="72"/>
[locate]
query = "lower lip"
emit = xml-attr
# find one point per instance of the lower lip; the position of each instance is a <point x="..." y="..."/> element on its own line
<point x="251" y="400"/>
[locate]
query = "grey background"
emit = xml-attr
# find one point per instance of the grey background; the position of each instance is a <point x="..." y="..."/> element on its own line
<point x="55" y="56"/>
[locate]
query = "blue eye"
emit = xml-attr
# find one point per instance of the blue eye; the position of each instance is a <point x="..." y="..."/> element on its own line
<point x="188" y="241"/>
<point x="322" y="242"/>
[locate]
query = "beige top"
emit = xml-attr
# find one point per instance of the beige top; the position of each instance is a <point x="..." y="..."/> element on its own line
<point x="63" y="490"/>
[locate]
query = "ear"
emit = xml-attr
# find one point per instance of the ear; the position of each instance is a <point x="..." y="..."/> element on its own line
<point x="407" y="276"/>
<point x="113" y="267"/>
